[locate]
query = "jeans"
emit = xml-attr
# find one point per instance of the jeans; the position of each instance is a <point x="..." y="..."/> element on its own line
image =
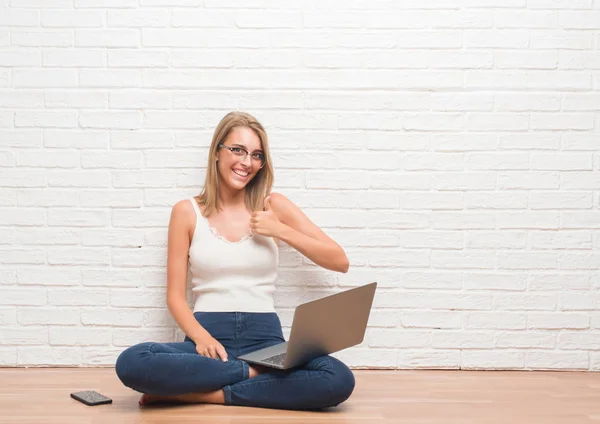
<point x="176" y="368"/>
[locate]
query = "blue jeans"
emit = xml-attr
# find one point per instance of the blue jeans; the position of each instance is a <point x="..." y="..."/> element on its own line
<point x="176" y="368"/>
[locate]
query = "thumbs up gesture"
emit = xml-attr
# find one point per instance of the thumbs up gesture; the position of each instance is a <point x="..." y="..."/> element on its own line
<point x="265" y="222"/>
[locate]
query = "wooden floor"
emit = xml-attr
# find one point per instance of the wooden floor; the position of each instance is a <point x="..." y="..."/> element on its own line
<point x="41" y="395"/>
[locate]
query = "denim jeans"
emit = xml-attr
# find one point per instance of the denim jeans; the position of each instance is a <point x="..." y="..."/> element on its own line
<point x="176" y="368"/>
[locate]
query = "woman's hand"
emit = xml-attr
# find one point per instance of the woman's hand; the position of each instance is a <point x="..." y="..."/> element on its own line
<point x="266" y="222"/>
<point x="209" y="346"/>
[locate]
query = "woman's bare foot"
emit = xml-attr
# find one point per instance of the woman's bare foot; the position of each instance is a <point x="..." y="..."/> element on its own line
<point x="255" y="370"/>
<point x="218" y="396"/>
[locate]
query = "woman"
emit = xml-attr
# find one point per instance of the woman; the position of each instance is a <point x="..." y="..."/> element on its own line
<point x="228" y="236"/>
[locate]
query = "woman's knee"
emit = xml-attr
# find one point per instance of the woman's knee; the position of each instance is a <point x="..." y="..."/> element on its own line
<point x="342" y="381"/>
<point x="128" y="366"/>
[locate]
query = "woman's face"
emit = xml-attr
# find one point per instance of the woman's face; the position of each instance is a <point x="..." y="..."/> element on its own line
<point x="235" y="167"/>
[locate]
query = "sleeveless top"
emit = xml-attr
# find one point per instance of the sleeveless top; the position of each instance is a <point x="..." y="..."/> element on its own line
<point x="231" y="276"/>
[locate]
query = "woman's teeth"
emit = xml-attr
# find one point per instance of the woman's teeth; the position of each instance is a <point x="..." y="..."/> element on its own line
<point x="241" y="174"/>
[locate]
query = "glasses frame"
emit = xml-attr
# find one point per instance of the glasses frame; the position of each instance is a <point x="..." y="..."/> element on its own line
<point x="264" y="161"/>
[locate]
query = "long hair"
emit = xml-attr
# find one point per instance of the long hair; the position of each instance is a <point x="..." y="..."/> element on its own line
<point x="259" y="187"/>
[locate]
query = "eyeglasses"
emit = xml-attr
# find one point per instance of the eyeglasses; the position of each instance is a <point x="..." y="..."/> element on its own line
<point x="241" y="153"/>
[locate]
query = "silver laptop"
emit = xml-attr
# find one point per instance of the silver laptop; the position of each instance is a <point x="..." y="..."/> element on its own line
<point x="320" y="327"/>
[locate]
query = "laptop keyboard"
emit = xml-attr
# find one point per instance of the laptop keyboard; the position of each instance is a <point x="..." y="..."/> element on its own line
<point x="276" y="360"/>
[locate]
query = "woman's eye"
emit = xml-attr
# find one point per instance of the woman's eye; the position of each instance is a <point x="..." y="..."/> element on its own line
<point x="236" y="150"/>
<point x="257" y="155"/>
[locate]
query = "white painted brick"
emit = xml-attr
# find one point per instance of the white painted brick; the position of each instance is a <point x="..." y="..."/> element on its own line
<point x="20" y="57"/>
<point x="530" y="141"/>
<point x="141" y="139"/>
<point x="583" y="200"/>
<point x="497" y="122"/>
<point x="78" y="218"/>
<point x="19" y="18"/>
<point x="464" y="142"/>
<point x="557" y="321"/>
<point x="496" y="161"/>
<point x="554" y="80"/>
<point x="138" y="18"/>
<point x="48" y="316"/>
<point x="434" y="320"/>
<point x="79" y="336"/>
<point x="495" y="281"/>
<point x="81" y="256"/>
<point x="62" y="4"/>
<point x="75" y="138"/>
<point x="433" y="162"/>
<point x="433" y="201"/>
<point x="528" y="180"/>
<point x="526" y="102"/>
<point x="530" y="59"/>
<point x="23" y="178"/>
<point x="586" y="261"/>
<point x="24" y="336"/>
<point x="574" y="59"/>
<point x="560" y="281"/>
<point x="580" y="20"/>
<point x="107" y="38"/>
<point x="561" y="240"/>
<point x="433" y="359"/>
<point x="559" y="4"/>
<point x="121" y="160"/>
<point x="74" y="58"/>
<point x="556" y="360"/>
<point x="270" y="19"/>
<point x="581" y="101"/>
<point x="579" y="340"/>
<point x="522" y="302"/>
<point x="499" y="39"/>
<point x="461" y="19"/>
<point x="37" y="159"/>
<point x="462" y="339"/>
<point x="44" y="78"/>
<point x="578" y="301"/>
<point x="398" y="338"/>
<point x="110" y="199"/>
<point x="71" y="297"/>
<point x="8" y="316"/>
<point x="79" y="98"/>
<point x="46" y="119"/>
<point x="21" y="256"/>
<point x="110" y="120"/>
<point x="46" y="38"/>
<point x="580" y="220"/>
<point x="44" y="276"/>
<point x="7" y="159"/>
<point x="461" y="220"/>
<point x="579" y="121"/>
<point x="525" y="340"/>
<point x="525" y="19"/>
<point x="49" y="356"/>
<point x="103" y="4"/>
<point x="431" y="280"/>
<point x="495" y="320"/>
<point x="135" y="257"/>
<point x="492" y="200"/>
<point x="5" y="38"/>
<point x="544" y="39"/>
<point x="462" y="260"/>
<point x="463" y="181"/>
<point x="73" y="18"/>
<point x="527" y="260"/>
<point x="492" y="240"/>
<point x="585" y="180"/>
<point x="462" y="102"/>
<point x="109" y="78"/>
<point x="202" y="18"/>
<point x="433" y="240"/>
<point x="124" y="58"/>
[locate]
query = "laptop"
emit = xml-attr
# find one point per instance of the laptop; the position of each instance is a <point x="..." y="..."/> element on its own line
<point x="320" y="327"/>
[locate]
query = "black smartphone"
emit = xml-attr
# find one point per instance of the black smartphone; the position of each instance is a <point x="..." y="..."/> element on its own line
<point x="91" y="398"/>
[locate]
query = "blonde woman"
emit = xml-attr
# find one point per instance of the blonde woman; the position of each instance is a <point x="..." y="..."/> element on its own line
<point x="228" y="236"/>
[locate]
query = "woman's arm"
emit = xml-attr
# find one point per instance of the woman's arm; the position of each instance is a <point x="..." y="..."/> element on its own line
<point x="298" y="231"/>
<point x="177" y="268"/>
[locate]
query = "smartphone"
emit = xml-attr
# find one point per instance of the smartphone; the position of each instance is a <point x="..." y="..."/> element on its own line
<point x="91" y="398"/>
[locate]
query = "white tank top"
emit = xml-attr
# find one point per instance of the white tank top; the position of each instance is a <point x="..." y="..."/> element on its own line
<point x="231" y="276"/>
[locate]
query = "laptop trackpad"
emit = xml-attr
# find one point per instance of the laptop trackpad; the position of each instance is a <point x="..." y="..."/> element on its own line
<point x="265" y="353"/>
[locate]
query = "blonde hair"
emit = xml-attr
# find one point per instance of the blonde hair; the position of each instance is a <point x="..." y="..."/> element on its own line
<point x="259" y="187"/>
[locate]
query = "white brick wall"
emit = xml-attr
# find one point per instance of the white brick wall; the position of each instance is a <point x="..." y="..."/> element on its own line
<point x="451" y="146"/>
